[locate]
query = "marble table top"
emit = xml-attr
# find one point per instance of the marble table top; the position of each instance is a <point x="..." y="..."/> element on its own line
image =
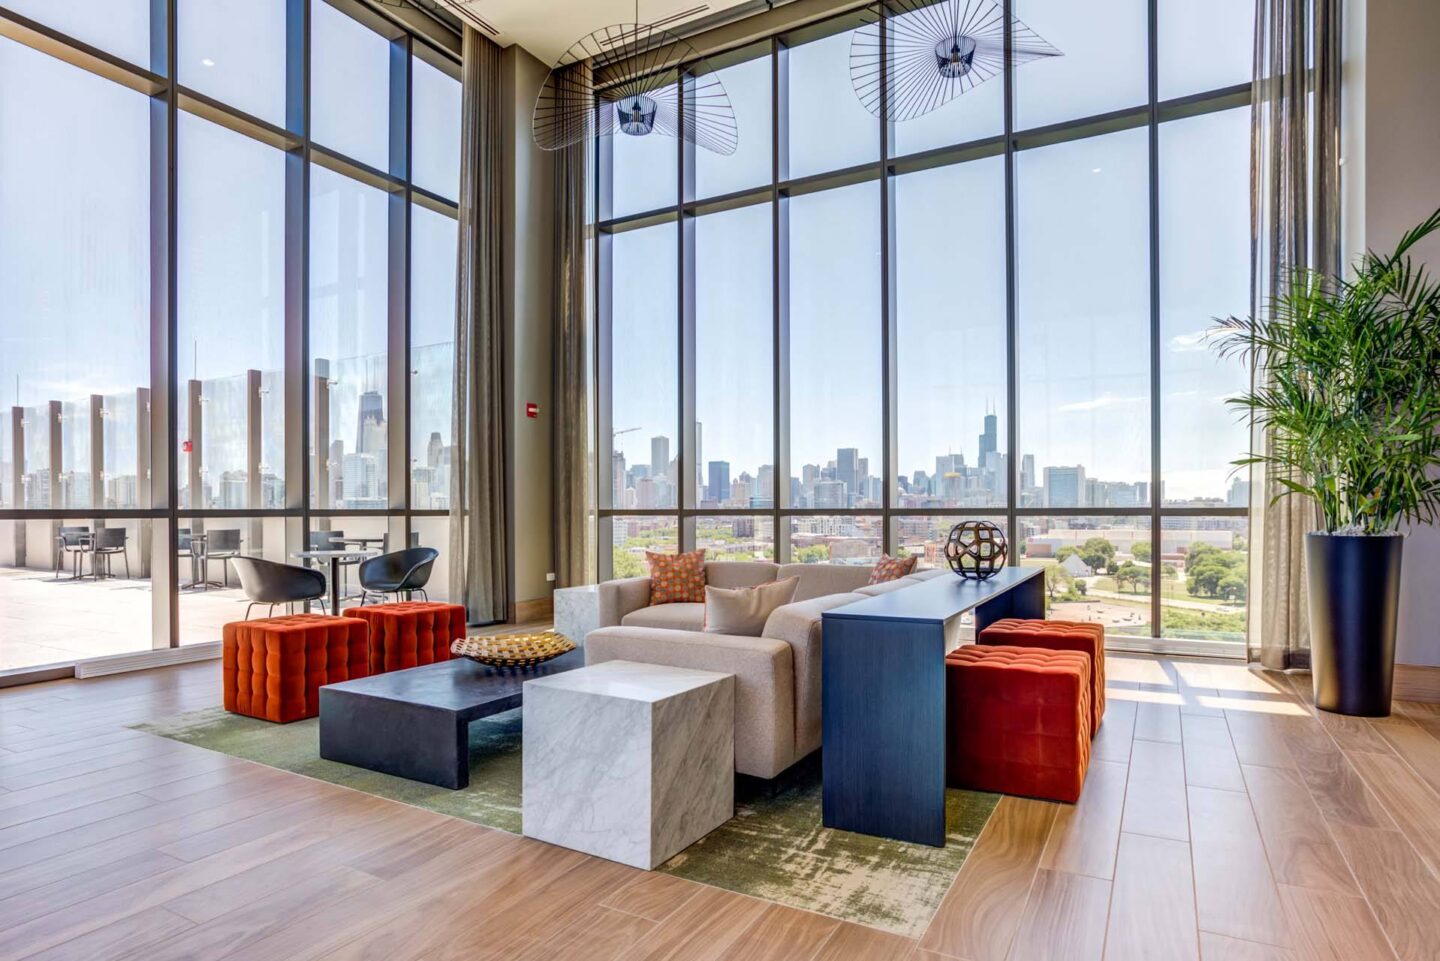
<point x="630" y="681"/>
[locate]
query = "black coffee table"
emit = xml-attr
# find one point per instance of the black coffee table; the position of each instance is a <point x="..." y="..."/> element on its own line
<point x="415" y="723"/>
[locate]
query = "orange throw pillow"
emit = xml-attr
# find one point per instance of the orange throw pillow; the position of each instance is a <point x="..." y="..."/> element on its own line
<point x="892" y="568"/>
<point x="677" y="578"/>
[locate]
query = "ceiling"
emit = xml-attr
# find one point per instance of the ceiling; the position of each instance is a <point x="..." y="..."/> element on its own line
<point x="547" y="28"/>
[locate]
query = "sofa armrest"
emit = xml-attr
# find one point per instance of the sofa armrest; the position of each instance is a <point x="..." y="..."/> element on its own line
<point x="764" y="683"/>
<point x="618" y="598"/>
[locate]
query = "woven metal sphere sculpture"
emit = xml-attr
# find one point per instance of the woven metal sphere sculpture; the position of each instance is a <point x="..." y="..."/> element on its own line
<point x="976" y="550"/>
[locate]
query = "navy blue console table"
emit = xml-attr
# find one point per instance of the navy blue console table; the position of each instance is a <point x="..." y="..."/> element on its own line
<point x="883" y="698"/>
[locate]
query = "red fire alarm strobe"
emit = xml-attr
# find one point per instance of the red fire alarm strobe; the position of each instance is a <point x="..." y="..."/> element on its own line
<point x="532" y="410"/>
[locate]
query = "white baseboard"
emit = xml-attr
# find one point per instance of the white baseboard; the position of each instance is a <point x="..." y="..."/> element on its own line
<point x="145" y="660"/>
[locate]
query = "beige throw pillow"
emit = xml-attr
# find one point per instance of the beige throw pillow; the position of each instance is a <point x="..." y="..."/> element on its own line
<point x="742" y="611"/>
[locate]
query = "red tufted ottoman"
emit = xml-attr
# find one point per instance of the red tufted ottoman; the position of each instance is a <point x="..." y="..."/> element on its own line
<point x="273" y="667"/>
<point x="410" y="633"/>
<point x="1058" y="636"/>
<point x="1017" y="720"/>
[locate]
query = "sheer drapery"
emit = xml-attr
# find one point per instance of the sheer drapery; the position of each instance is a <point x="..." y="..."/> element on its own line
<point x="479" y="577"/>
<point x="1295" y="214"/>
<point x="573" y="498"/>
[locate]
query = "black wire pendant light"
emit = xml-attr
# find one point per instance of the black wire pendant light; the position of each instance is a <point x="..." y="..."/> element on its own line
<point x="936" y="52"/>
<point x="625" y="78"/>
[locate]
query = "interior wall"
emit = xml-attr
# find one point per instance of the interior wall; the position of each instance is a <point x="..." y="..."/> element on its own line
<point x="1392" y="182"/>
<point x="528" y="228"/>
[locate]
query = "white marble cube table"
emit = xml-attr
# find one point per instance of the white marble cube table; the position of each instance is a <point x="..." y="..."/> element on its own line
<point x="577" y="611"/>
<point x="630" y="762"/>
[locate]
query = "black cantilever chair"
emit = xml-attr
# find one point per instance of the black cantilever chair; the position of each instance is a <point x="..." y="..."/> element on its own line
<point x="266" y="582"/>
<point x="401" y="572"/>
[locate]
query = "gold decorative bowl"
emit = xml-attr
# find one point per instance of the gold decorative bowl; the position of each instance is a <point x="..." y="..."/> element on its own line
<point x="514" y="650"/>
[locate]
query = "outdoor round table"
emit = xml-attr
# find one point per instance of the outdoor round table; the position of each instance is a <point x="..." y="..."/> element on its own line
<point x="335" y="557"/>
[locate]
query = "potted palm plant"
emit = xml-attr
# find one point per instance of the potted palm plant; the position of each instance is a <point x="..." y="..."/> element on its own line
<point x="1346" y="391"/>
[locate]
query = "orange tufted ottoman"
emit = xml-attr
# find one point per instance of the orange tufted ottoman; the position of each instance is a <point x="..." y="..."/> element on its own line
<point x="410" y="633"/>
<point x="1058" y="636"/>
<point x="1017" y="720"/>
<point x="273" y="667"/>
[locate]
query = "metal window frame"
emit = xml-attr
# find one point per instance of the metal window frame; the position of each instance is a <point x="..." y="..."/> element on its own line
<point x="159" y="492"/>
<point x="1150" y="114"/>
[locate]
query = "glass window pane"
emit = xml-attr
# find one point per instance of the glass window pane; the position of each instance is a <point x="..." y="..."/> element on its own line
<point x="734" y="352"/>
<point x="74" y="272"/>
<point x="49" y="618"/>
<point x="1082" y="219"/>
<point x="844" y="539"/>
<point x="1204" y="46"/>
<point x="210" y="594"/>
<point x="731" y="538"/>
<point x="349" y="287"/>
<point x="975" y="114"/>
<point x="829" y="126"/>
<point x="631" y="537"/>
<point x="951" y="339"/>
<point x="349" y="87"/>
<point x="645" y="172"/>
<point x="748" y="86"/>
<point x="121" y="27"/>
<point x="1205" y="570"/>
<point x="432" y="356"/>
<point x="234" y="51"/>
<point x="1097" y="569"/>
<point x="924" y="537"/>
<point x="435" y="151"/>
<point x="835" y="333"/>
<point x="231" y="279"/>
<point x="645" y="357"/>
<point x="434" y="532"/>
<point x="1102" y="66"/>
<point x="1204" y="274"/>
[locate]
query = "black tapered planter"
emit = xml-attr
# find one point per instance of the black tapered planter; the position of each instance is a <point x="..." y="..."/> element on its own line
<point x="1354" y="585"/>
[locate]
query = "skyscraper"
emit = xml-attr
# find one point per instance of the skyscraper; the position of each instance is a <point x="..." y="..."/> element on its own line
<point x="988" y="439"/>
<point x="370" y="425"/>
<point x="659" y="456"/>
<point x="718" y="489"/>
<point x="847" y="470"/>
<point x="1065" y="487"/>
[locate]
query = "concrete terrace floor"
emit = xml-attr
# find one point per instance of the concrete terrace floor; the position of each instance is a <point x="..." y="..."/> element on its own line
<point x="48" y="621"/>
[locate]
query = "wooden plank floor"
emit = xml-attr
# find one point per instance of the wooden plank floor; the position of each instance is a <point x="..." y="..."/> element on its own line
<point x="1222" y="820"/>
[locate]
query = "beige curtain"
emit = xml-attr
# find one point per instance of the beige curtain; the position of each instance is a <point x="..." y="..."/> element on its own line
<point x="572" y="454"/>
<point x="479" y="531"/>
<point x="1295" y="222"/>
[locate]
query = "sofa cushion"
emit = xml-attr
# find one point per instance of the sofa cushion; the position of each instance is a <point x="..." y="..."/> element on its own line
<point x="799" y="626"/>
<point x="930" y="573"/>
<point x="732" y="574"/>
<point x="875" y="590"/>
<point x="817" y="580"/>
<point x="764" y="683"/>
<point x="892" y="568"/>
<point x="677" y="578"/>
<point x="743" y="611"/>
<point x="675" y="617"/>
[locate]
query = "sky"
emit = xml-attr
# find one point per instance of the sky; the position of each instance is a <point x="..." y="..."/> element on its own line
<point x="1082" y="268"/>
<point x="74" y="274"/>
<point x="75" y="219"/>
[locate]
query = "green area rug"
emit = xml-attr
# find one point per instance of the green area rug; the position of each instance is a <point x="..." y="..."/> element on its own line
<point x="774" y="848"/>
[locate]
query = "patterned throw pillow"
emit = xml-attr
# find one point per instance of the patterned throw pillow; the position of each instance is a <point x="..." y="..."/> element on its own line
<point x="677" y="578"/>
<point x="892" y="568"/>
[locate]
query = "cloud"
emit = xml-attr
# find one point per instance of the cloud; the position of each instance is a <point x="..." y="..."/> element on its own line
<point x="1100" y="403"/>
<point x="1194" y="341"/>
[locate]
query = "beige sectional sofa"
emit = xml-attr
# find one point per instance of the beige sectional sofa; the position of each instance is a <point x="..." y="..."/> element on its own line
<point x="777" y="675"/>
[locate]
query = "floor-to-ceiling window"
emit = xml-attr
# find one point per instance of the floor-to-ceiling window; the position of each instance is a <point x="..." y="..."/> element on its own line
<point x="852" y="334"/>
<point x="227" y="280"/>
